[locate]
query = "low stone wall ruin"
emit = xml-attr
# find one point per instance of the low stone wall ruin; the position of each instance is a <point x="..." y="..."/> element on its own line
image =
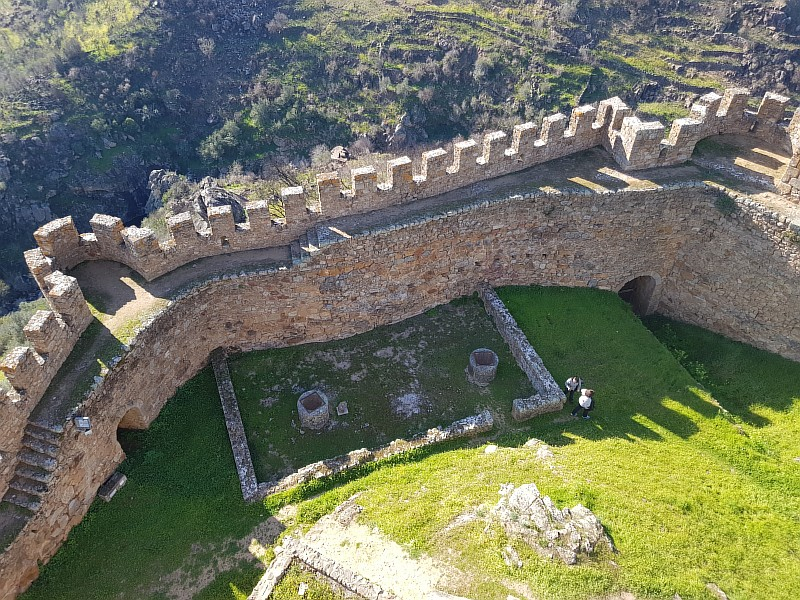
<point x="548" y="396"/>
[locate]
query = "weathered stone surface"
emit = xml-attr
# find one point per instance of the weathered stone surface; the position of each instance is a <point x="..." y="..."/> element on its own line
<point x="743" y="285"/>
<point x="313" y="408"/>
<point x="549" y="397"/>
<point x="234" y="425"/>
<point x="482" y="367"/>
<point x="566" y="534"/>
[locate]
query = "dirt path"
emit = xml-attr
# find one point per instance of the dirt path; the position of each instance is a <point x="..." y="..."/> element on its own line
<point x="366" y="551"/>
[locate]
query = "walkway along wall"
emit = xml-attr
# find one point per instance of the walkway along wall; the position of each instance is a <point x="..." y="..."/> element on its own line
<point x="739" y="274"/>
<point x="633" y="143"/>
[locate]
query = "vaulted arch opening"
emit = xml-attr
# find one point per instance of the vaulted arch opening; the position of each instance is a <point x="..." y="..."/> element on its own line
<point x="638" y="293"/>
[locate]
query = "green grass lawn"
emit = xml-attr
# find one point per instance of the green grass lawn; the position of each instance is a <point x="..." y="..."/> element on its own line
<point x="397" y="381"/>
<point x="691" y="491"/>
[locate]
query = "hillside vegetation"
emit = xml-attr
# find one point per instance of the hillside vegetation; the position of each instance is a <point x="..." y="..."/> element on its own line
<point x="96" y="93"/>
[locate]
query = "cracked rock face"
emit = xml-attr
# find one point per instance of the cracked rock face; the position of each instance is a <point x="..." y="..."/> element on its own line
<point x="210" y="194"/>
<point x="565" y="533"/>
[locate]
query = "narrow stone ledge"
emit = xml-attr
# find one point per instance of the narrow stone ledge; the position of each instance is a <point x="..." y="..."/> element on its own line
<point x="233" y="422"/>
<point x="470" y="426"/>
<point x="549" y="396"/>
<point x="295" y="550"/>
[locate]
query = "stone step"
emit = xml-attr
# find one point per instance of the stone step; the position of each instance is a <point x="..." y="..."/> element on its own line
<point x="54" y="427"/>
<point x="295" y="252"/>
<point x="23" y="500"/>
<point x="313" y="241"/>
<point x="51" y="436"/>
<point x="34" y="473"/>
<point x="37" y="459"/>
<point x="29" y="486"/>
<point x="40" y="446"/>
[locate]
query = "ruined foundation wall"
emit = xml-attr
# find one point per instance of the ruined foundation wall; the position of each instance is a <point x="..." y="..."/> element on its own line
<point x="387" y="275"/>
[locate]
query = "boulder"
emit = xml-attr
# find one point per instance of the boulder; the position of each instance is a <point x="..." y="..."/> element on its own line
<point x="565" y="534"/>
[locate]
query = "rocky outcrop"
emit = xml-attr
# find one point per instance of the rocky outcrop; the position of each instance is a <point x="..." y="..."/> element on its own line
<point x="212" y="195"/>
<point x="566" y="534"/>
<point x="158" y="183"/>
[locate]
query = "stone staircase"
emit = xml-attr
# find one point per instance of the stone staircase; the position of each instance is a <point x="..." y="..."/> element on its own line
<point x="35" y="466"/>
<point x="312" y="241"/>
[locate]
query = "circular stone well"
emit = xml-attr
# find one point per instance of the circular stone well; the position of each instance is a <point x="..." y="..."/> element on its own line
<point x="313" y="408"/>
<point x="482" y="366"/>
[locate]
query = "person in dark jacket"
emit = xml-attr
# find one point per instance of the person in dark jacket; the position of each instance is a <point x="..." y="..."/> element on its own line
<point x="572" y="385"/>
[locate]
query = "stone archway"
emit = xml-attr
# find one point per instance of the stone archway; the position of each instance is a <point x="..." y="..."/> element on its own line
<point x="639" y="293"/>
<point x="133" y="419"/>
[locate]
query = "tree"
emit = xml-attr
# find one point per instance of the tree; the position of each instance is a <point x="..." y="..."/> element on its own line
<point x="218" y="143"/>
<point x="278" y="23"/>
<point x="207" y="46"/>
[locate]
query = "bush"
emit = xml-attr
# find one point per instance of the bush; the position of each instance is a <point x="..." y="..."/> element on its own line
<point x="11" y="324"/>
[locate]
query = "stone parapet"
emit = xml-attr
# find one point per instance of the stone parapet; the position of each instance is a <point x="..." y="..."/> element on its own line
<point x="52" y="335"/>
<point x="744" y="285"/>
<point x="634" y="144"/>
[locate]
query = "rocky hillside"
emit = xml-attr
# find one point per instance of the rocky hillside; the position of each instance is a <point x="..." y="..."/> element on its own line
<point x="94" y="95"/>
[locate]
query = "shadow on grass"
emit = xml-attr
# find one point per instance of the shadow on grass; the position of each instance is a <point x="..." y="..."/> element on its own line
<point x="740" y="377"/>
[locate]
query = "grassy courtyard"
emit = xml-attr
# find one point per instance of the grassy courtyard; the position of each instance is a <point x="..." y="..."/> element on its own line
<point x="690" y="462"/>
<point x="397" y="381"/>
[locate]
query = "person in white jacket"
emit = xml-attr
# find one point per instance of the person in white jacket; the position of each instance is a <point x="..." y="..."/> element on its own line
<point x="585" y="402"/>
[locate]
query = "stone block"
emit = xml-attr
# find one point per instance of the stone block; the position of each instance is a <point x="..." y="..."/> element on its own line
<point x="23" y="367"/>
<point x="314" y="410"/>
<point x="464" y="156"/>
<point x="772" y="108"/>
<point x="111" y="486"/>
<point x="259" y="218"/>
<point x="329" y="190"/>
<point x="706" y="107"/>
<point x="39" y="265"/>
<point x="108" y="231"/>
<point x="140" y="241"/>
<point x="553" y="128"/>
<point x="611" y="113"/>
<point x="493" y="150"/>
<point x="400" y="176"/>
<point x="685" y="131"/>
<point x="66" y="298"/>
<point x="640" y="143"/>
<point x="45" y="330"/>
<point x="295" y="208"/>
<point x="581" y="122"/>
<point x="734" y="103"/>
<point x="223" y="227"/>
<point x="181" y="229"/>
<point x="434" y="164"/>
<point x="58" y="237"/>
<point x="522" y="140"/>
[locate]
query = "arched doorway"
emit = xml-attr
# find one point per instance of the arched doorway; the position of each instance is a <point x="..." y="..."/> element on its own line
<point x="128" y="428"/>
<point x="638" y="293"/>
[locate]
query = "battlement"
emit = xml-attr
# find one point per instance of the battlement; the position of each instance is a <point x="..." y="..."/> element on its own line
<point x="634" y="144"/>
<point x="52" y="334"/>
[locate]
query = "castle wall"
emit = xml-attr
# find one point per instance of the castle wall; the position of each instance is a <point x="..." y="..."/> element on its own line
<point x="712" y="270"/>
<point x="634" y="144"/>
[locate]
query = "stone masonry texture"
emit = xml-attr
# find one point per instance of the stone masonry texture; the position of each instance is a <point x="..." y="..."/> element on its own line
<point x="737" y="274"/>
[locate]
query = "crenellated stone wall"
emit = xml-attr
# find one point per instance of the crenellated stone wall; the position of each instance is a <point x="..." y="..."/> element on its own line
<point x="634" y="144"/>
<point x="30" y="369"/>
<point x="733" y="273"/>
<point x="389" y="274"/>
